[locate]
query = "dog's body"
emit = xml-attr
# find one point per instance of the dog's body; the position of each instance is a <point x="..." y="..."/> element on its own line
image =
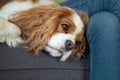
<point x="14" y="6"/>
<point x="9" y="32"/>
<point x="58" y="30"/>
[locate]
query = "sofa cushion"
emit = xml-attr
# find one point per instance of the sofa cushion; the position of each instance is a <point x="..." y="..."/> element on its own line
<point x="19" y="64"/>
<point x="19" y="58"/>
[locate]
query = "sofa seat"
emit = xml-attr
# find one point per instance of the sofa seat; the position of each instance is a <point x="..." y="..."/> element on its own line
<point x="19" y="64"/>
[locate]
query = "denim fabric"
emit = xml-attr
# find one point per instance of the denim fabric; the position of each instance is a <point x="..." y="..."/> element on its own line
<point x="76" y="4"/>
<point x="103" y="36"/>
<point x="95" y="6"/>
<point x="104" y="39"/>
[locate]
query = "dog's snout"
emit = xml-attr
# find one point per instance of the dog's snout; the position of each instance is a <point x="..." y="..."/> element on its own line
<point x="69" y="45"/>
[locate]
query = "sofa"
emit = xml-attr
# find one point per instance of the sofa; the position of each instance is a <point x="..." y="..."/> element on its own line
<point x="19" y="64"/>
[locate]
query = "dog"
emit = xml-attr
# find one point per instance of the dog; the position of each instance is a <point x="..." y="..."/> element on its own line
<point x="56" y="29"/>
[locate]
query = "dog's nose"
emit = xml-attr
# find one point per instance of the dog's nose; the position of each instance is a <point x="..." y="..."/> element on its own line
<point x="69" y="45"/>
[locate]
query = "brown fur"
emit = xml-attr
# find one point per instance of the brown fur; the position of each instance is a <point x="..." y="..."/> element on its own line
<point x="81" y="42"/>
<point x="69" y="23"/>
<point x="39" y="24"/>
<point x="3" y="2"/>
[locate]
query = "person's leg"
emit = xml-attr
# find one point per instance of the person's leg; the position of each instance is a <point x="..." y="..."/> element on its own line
<point x="95" y="6"/>
<point x="104" y="39"/>
<point x="76" y="4"/>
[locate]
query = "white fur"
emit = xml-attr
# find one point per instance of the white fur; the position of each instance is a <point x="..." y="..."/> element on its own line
<point x="65" y="56"/>
<point x="16" y="6"/>
<point x="45" y="2"/>
<point x="58" y="40"/>
<point x="78" y="22"/>
<point x="9" y="32"/>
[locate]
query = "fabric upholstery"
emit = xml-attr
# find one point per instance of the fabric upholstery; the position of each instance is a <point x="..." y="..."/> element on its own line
<point x="18" y="64"/>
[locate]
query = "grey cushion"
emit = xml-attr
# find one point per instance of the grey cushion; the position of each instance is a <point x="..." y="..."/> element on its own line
<point x="19" y="64"/>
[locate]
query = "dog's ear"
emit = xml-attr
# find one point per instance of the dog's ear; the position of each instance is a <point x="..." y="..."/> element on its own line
<point x="81" y="42"/>
<point x="84" y="16"/>
<point x="38" y="25"/>
<point x="80" y="48"/>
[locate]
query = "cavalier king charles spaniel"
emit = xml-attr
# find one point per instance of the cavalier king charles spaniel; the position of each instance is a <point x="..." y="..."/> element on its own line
<point x="56" y="29"/>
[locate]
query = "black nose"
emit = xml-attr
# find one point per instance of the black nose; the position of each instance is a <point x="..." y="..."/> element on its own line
<point x="69" y="45"/>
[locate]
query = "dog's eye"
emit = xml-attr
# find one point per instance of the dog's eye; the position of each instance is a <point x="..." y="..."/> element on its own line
<point x="65" y="27"/>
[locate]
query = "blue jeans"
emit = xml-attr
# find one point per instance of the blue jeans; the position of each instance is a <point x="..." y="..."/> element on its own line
<point x="103" y="36"/>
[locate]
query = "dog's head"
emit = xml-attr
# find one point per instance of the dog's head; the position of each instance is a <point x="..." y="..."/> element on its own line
<point x="58" y="30"/>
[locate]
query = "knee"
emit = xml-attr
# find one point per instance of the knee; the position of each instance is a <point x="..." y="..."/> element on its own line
<point x="103" y="23"/>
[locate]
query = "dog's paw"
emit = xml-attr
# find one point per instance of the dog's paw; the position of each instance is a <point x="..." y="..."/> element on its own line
<point x="9" y="33"/>
<point x="13" y="41"/>
<point x="13" y="36"/>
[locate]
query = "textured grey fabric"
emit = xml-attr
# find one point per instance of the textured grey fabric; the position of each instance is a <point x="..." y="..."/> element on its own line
<point x="18" y="64"/>
<point x="44" y="74"/>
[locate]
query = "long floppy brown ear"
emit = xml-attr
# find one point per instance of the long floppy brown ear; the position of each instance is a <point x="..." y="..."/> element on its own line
<point x="38" y="25"/>
<point x="81" y="45"/>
